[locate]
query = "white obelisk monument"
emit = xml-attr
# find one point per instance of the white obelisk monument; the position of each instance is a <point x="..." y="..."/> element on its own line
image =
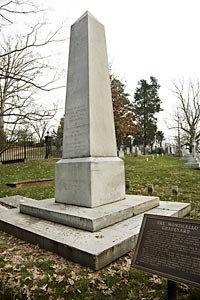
<point x="90" y="173"/>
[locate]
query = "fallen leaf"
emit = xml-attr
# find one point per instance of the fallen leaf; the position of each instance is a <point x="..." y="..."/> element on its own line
<point x="28" y="278"/>
<point x="151" y="291"/>
<point x="49" y="290"/>
<point x="34" y="287"/>
<point x="59" y="278"/>
<point x="70" y="281"/>
<point x="44" y="287"/>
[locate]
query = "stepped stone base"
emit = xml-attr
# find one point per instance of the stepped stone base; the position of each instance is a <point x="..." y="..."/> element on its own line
<point x="92" y="249"/>
<point x="14" y="201"/>
<point x="91" y="219"/>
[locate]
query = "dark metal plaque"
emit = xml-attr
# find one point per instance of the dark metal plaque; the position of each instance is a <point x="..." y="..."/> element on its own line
<point x="169" y="247"/>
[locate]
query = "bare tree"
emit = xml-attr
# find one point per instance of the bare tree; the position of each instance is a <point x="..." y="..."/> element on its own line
<point x="187" y="114"/>
<point x="22" y="67"/>
<point x="9" y="8"/>
<point x="39" y="128"/>
<point x="31" y="39"/>
<point x="19" y="80"/>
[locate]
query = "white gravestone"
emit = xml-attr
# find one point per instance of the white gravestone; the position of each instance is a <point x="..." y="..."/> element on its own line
<point x="90" y="173"/>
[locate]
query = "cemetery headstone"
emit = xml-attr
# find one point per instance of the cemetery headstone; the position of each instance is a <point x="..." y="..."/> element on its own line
<point x="128" y="151"/>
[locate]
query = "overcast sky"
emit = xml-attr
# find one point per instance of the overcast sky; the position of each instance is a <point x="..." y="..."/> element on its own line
<point x="145" y="38"/>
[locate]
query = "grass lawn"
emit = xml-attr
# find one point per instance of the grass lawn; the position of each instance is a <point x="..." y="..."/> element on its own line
<point x="28" y="272"/>
<point x="37" y="169"/>
<point x="164" y="173"/>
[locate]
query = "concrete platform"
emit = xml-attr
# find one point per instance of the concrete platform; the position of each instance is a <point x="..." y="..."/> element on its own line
<point x="90" y="219"/>
<point x="92" y="249"/>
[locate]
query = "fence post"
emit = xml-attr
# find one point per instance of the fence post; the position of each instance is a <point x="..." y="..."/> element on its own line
<point x="25" y="148"/>
<point x="48" y="145"/>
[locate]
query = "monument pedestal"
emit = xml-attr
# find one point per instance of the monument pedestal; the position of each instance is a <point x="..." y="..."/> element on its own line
<point x="90" y="219"/>
<point x="89" y="182"/>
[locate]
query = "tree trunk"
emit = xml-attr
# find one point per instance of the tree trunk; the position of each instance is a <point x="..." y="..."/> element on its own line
<point x="2" y="134"/>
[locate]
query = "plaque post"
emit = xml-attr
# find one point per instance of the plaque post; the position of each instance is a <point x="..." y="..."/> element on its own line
<point x="171" y="290"/>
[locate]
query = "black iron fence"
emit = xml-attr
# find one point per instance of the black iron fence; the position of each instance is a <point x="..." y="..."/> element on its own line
<point x="29" y="149"/>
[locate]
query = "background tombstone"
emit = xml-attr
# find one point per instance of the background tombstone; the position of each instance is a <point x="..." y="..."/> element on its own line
<point x="128" y="151"/>
<point x="193" y="162"/>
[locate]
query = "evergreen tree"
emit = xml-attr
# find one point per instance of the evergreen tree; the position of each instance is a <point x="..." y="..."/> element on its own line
<point x="146" y="104"/>
<point x="160" y="137"/>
